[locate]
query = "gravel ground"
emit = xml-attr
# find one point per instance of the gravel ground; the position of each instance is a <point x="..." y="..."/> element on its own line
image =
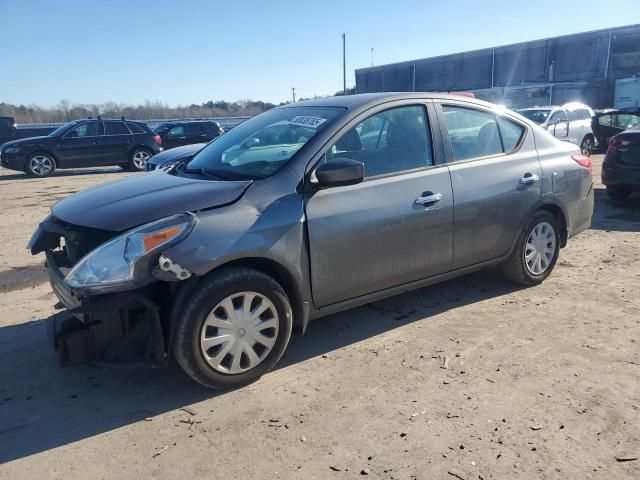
<point x="541" y="382"/>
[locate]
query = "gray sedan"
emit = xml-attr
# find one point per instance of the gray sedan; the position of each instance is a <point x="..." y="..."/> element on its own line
<point x="300" y="212"/>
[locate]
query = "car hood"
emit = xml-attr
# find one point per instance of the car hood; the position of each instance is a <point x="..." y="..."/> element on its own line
<point x="176" y="153"/>
<point x="139" y="199"/>
<point x="25" y="141"/>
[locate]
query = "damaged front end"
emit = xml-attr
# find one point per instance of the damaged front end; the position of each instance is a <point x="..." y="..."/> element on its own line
<point x="116" y="289"/>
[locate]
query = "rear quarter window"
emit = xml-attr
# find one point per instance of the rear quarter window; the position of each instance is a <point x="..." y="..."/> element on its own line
<point x="135" y="128"/>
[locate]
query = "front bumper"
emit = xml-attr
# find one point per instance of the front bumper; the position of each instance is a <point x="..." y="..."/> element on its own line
<point x="119" y="329"/>
<point x="12" y="161"/>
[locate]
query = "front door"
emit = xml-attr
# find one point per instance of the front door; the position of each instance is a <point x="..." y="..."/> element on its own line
<point x="496" y="179"/>
<point x="80" y="146"/>
<point x="393" y="228"/>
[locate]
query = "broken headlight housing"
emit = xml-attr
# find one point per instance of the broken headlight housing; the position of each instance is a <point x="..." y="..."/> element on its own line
<point x="123" y="263"/>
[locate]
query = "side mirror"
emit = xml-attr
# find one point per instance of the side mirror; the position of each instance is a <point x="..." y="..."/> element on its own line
<point x="339" y="172"/>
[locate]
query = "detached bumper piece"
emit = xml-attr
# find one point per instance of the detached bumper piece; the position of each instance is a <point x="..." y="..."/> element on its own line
<point x="114" y="330"/>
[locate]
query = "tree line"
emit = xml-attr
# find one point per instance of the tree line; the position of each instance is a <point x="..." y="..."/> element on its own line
<point x="66" y="110"/>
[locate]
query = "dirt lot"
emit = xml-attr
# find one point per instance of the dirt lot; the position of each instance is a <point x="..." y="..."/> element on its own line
<point x="542" y="382"/>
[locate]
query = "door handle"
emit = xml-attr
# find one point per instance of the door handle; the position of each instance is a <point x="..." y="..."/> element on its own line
<point x="529" y="178"/>
<point x="428" y="198"/>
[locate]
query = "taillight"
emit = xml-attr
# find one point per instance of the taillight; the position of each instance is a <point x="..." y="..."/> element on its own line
<point x="614" y="143"/>
<point x="582" y="160"/>
<point x="157" y="139"/>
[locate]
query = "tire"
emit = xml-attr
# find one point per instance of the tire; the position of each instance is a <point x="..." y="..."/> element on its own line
<point x="199" y="346"/>
<point x="618" y="193"/>
<point x="139" y="158"/>
<point x="517" y="267"/>
<point x="587" y="146"/>
<point x="40" y="165"/>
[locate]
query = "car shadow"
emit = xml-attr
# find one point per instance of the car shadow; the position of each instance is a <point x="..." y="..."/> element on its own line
<point x="4" y="176"/>
<point x="43" y="406"/>
<point x="615" y="216"/>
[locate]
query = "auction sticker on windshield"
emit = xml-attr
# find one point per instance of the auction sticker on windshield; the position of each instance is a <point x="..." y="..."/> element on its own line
<point x="307" y="121"/>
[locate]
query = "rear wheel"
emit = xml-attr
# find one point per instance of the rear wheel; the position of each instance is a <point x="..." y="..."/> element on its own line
<point x="587" y="145"/>
<point x="618" y="193"/>
<point x="139" y="158"/>
<point x="40" y="165"/>
<point x="235" y="327"/>
<point x="536" y="251"/>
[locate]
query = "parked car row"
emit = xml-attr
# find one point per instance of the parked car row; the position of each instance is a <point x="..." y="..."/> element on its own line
<point x="300" y="212"/>
<point x="96" y="142"/>
<point x="570" y="122"/>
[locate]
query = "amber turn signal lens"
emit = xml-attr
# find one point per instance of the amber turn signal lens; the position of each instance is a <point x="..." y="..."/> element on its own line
<point x="154" y="239"/>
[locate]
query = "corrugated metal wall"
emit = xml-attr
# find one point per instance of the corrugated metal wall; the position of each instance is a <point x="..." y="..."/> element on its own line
<point x="580" y="67"/>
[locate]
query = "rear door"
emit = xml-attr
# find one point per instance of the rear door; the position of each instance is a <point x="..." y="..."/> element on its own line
<point x="195" y="133"/>
<point x="115" y="142"/>
<point x="79" y="147"/>
<point x="393" y="228"/>
<point x="496" y="179"/>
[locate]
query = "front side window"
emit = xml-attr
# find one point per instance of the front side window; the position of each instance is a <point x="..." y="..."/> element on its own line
<point x="559" y="116"/>
<point x="573" y="115"/>
<point x="177" y="131"/>
<point x="262" y="145"/>
<point x="388" y="142"/>
<point x="87" y="129"/>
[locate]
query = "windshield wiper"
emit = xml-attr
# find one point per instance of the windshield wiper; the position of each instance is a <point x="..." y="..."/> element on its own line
<point x="205" y="173"/>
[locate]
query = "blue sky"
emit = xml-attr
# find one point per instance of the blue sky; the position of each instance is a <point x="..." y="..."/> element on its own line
<point x="191" y="51"/>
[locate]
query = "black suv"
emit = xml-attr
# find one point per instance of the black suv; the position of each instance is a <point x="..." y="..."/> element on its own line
<point x="178" y="133"/>
<point x="83" y="143"/>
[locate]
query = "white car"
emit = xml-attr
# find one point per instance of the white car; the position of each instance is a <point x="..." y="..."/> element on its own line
<point x="570" y="122"/>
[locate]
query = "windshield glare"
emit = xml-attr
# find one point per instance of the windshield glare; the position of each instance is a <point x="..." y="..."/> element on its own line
<point x="537" y="116"/>
<point x="262" y="145"/>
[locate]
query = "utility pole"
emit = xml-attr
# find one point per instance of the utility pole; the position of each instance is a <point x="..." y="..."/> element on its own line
<point x="372" y="56"/>
<point x="344" y="63"/>
<point x="293" y="94"/>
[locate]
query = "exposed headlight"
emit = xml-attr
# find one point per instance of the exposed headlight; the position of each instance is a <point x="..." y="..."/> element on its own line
<point x="10" y="150"/>
<point x="124" y="261"/>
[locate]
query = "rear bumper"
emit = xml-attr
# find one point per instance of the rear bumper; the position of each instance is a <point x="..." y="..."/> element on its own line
<point x="120" y="329"/>
<point x="616" y="175"/>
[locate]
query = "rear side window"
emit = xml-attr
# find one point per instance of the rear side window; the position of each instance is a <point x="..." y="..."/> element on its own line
<point x="135" y="128"/>
<point x="115" y="128"/>
<point x="584" y="114"/>
<point x="511" y="133"/>
<point x="472" y="133"/>
<point x="388" y="142"/>
<point x="194" y="128"/>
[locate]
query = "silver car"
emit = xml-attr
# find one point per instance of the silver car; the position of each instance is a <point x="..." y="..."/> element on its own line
<point x="570" y="122"/>
<point x="300" y="212"/>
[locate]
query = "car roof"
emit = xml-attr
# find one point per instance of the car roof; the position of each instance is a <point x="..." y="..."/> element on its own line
<point x="370" y="99"/>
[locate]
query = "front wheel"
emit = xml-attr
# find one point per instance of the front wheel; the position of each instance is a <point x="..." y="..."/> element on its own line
<point x="40" y="165"/>
<point x="139" y="158"/>
<point x="536" y="251"/>
<point x="236" y="325"/>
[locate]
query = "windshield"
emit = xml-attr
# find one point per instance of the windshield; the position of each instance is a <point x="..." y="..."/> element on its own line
<point x="262" y="145"/>
<point x="538" y="116"/>
<point x="62" y="129"/>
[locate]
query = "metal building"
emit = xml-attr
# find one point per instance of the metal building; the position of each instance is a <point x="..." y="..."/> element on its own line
<point x="581" y="67"/>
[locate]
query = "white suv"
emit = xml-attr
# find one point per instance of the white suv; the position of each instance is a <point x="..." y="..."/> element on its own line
<point x="570" y="122"/>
